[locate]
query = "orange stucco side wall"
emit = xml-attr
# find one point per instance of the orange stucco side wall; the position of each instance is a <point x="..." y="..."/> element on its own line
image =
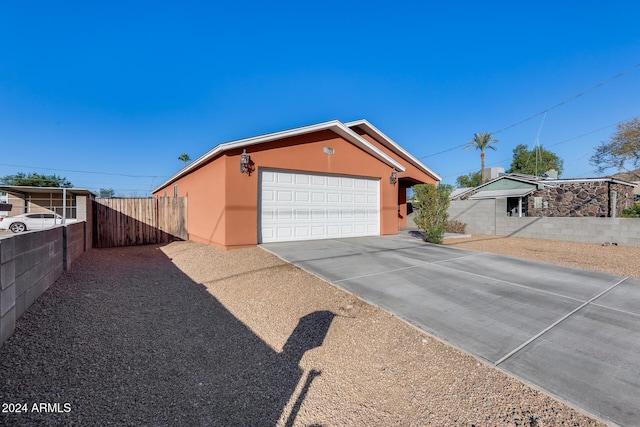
<point x="205" y="192"/>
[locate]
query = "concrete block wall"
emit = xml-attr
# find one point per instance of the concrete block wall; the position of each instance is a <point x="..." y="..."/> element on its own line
<point x="479" y="215"/>
<point x="75" y="243"/>
<point x="29" y="264"/>
<point x="623" y="231"/>
<point x="490" y="217"/>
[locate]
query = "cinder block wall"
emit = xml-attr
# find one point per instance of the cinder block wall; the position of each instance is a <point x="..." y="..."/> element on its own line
<point x="490" y="217"/>
<point x="75" y="243"/>
<point x="30" y="263"/>
<point x="623" y="231"/>
<point x="479" y="215"/>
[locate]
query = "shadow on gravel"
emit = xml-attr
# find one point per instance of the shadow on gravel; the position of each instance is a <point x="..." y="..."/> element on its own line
<point x="126" y="338"/>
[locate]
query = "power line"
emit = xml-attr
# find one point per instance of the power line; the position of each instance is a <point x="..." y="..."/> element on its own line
<point x="444" y="151"/>
<point x="547" y="110"/>
<point x="81" y="171"/>
<point x="566" y="101"/>
<point x="548" y="146"/>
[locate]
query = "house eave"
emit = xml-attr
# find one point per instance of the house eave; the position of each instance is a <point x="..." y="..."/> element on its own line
<point x="392" y="145"/>
<point x="334" y="125"/>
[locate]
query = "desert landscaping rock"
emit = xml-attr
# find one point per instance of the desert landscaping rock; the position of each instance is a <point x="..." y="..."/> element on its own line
<point x="187" y="334"/>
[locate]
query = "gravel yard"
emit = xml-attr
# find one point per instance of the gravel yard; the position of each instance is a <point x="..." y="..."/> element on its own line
<point x="187" y="334"/>
<point x="620" y="260"/>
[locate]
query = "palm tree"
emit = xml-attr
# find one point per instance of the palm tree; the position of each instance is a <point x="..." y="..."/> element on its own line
<point x="482" y="141"/>
<point x="185" y="158"/>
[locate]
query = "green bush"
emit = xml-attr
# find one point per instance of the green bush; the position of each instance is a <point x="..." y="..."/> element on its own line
<point x="458" y="227"/>
<point x="634" y="212"/>
<point x="431" y="204"/>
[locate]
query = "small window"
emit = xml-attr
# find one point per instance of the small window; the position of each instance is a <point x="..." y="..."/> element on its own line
<point x="175" y="191"/>
<point x="537" y="202"/>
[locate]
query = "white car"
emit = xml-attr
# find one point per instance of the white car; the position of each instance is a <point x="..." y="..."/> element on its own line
<point x="32" y="221"/>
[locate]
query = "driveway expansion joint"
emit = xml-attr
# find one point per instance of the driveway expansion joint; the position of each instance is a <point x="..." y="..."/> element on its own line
<point x="376" y="274"/>
<point x="556" y="323"/>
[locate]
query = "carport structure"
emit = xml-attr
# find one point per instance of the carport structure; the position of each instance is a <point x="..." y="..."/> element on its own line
<point x="67" y="202"/>
<point x="571" y="332"/>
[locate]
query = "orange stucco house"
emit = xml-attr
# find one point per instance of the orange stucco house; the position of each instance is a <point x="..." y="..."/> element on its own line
<point x="326" y="180"/>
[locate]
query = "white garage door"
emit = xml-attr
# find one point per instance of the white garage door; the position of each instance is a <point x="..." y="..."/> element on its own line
<point x="301" y="206"/>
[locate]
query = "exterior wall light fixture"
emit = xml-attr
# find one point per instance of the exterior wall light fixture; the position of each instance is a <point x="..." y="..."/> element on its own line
<point x="245" y="162"/>
<point x="394" y="177"/>
<point x="328" y="150"/>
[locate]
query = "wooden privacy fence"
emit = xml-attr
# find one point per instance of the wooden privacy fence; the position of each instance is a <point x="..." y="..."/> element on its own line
<point x="136" y="221"/>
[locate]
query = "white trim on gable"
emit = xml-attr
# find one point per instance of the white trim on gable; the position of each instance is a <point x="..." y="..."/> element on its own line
<point x="334" y="125"/>
<point x="392" y="145"/>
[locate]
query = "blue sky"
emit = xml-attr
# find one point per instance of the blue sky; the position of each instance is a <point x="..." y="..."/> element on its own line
<point x="109" y="94"/>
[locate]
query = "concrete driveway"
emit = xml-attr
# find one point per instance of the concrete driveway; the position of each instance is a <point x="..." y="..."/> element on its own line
<point x="571" y="332"/>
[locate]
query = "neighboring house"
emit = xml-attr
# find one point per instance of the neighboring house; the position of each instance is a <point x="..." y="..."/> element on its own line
<point x="632" y="177"/>
<point x="63" y="201"/>
<point x="327" y="180"/>
<point x="552" y="197"/>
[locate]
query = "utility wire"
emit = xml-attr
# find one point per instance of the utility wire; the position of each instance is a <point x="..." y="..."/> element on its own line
<point x="545" y="111"/>
<point x="570" y="99"/>
<point x="444" y="151"/>
<point x="547" y="146"/>
<point x="80" y="171"/>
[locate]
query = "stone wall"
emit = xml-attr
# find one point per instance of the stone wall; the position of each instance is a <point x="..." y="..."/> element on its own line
<point x="584" y="199"/>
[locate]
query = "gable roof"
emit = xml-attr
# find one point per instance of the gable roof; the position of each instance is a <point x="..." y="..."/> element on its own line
<point x="514" y="177"/>
<point x="538" y="182"/>
<point x="392" y="145"/>
<point x="343" y="130"/>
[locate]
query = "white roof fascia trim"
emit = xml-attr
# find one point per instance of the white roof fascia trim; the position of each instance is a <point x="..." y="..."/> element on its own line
<point x="502" y="194"/>
<point x="334" y="125"/>
<point x="578" y="180"/>
<point x="394" y="145"/>
<point x="514" y="178"/>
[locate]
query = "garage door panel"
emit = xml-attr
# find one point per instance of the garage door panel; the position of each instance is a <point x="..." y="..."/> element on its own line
<point x="302" y="179"/>
<point x="303" y="196"/>
<point x="284" y="178"/>
<point x="333" y="181"/>
<point x="285" y="195"/>
<point x="299" y="206"/>
<point x="346" y="182"/>
<point x="346" y="198"/>
<point x="333" y="230"/>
